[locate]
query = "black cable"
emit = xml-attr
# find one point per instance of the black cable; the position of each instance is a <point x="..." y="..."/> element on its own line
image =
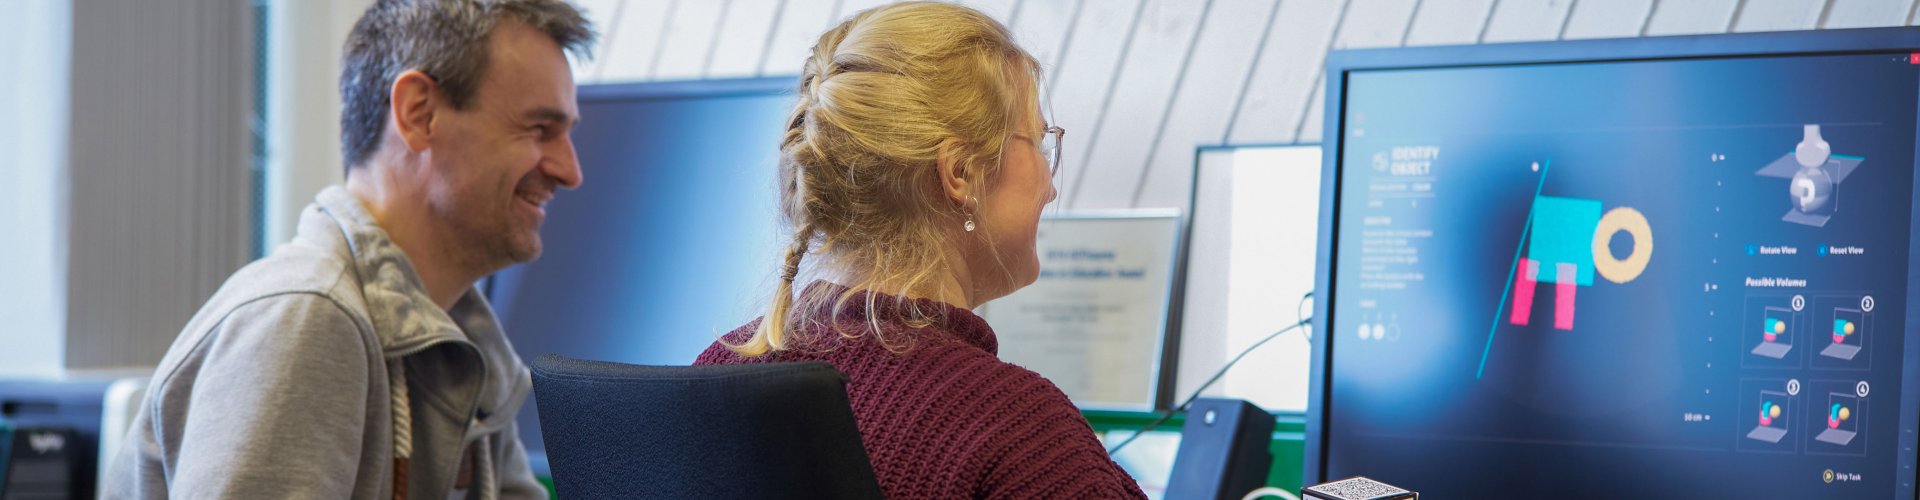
<point x="1301" y="316"/>
<point x="1303" y="321"/>
<point x="1203" y="387"/>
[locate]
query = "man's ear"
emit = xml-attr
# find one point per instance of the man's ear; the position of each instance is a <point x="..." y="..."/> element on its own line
<point x="953" y="172"/>
<point x="415" y="99"/>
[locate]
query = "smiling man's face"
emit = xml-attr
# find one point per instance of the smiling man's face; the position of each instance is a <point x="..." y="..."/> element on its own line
<point x="496" y="163"/>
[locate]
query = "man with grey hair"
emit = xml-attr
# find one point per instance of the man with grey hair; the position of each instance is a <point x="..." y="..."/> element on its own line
<point x="358" y="361"/>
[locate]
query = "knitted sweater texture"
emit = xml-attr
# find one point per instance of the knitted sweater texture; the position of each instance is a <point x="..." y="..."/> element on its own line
<point x="944" y="417"/>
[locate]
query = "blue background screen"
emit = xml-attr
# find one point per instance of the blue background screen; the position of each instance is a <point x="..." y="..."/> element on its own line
<point x="671" y="241"/>
<point x="1698" y="314"/>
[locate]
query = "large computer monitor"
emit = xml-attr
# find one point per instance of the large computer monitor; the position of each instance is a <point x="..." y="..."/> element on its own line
<point x="672" y="240"/>
<point x="1645" y="268"/>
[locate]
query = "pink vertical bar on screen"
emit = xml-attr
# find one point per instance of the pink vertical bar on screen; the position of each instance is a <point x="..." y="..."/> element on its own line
<point x="1564" y="285"/>
<point x="1523" y="290"/>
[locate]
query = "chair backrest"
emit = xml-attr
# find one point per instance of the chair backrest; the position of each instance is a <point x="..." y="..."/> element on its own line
<point x="771" y="430"/>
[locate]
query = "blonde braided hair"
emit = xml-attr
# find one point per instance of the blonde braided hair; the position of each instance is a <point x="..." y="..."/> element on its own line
<point x="883" y="94"/>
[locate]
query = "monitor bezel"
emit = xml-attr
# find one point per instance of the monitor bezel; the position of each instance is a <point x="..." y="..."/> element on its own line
<point x="1341" y="63"/>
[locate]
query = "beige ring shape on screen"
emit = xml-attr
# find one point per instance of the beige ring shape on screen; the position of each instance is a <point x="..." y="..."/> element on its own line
<point x="1635" y="224"/>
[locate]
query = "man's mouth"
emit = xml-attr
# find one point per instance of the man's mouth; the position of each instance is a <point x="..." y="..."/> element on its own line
<point x="537" y="200"/>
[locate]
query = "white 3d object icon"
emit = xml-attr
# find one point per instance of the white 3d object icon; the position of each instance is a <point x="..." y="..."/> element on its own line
<point x="1812" y="188"/>
<point x="1805" y="193"/>
<point x="1813" y="150"/>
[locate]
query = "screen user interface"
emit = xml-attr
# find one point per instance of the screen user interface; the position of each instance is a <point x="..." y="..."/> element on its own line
<point x="1656" y="279"/>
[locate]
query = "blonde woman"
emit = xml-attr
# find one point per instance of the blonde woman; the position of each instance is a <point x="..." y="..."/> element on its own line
<point x="913" y="171"/>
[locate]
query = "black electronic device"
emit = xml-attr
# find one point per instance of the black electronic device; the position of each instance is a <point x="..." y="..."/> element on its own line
<point x="1224" y="450"/>
<point x="55" y="437"/>
<point x="44" y="463"/>
<point x="6" y="445"/>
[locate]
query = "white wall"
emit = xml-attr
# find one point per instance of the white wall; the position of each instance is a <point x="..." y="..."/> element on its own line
<point x="303" y="105"/>
<point x="33" y="102"/>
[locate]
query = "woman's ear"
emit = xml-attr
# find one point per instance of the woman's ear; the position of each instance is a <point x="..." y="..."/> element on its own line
<point x="953" y="172"/>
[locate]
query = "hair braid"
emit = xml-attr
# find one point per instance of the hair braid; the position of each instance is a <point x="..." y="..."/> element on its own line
<point x="878" y="99"/>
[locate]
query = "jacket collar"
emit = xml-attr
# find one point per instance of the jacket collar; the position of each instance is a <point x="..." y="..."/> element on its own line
<point x="404" y="318"/>
<point x="473" y="383"/>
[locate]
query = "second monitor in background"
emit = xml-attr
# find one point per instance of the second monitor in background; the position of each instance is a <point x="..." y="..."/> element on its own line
<point x="1250" y="258"/>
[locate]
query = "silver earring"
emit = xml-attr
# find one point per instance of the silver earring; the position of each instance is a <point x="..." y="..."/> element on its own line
<point x="969" y="224"/>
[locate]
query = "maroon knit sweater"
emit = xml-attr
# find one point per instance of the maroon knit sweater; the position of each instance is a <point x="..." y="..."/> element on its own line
<point x="947" y="418"/>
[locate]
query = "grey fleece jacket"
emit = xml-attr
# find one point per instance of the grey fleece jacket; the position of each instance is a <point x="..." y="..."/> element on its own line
<point x="280" y="386"/>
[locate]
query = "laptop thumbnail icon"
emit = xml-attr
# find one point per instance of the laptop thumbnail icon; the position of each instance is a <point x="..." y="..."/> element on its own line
<point x="1849" y="332"/>
<point x="1773" y="418"/>
<point x="1776" y="333"/>
<point x="1843" y="419"/>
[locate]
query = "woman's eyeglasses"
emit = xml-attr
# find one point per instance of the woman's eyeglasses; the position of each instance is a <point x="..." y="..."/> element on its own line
<point x="1049" y="145"/>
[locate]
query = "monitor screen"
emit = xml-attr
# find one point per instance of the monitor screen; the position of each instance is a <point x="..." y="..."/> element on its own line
<point x="1656" y="275"/>
<point x="671" y="241"/>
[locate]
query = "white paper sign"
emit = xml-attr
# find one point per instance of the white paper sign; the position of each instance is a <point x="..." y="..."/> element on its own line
<point x="1094" y="321"/>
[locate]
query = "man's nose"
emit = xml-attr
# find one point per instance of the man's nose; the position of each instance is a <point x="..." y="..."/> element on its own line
<point x="563" y="164"/>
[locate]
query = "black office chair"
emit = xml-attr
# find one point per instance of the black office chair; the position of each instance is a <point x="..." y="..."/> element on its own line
<point x="776" y="430"/>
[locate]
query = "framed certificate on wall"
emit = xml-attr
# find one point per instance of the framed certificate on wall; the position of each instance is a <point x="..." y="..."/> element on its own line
<point x="1095" y="321"/>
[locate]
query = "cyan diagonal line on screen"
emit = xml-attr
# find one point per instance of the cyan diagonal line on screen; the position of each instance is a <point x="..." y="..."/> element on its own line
<point x="1515" y="268"/>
